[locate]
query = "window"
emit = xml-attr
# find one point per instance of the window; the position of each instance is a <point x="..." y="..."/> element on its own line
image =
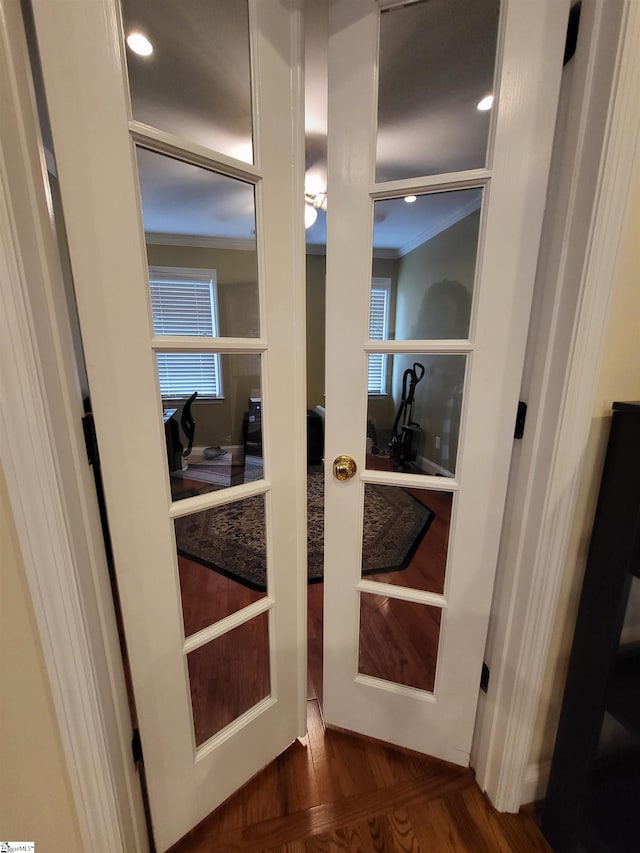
<point x="183" y="302"/>
<point x="378" y="331"/>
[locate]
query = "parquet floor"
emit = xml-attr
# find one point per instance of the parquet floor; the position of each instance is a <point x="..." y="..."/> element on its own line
<point x="336" y="791"/>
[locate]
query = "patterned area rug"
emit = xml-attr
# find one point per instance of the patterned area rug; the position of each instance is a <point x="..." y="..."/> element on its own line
<point x="231" y="539"/>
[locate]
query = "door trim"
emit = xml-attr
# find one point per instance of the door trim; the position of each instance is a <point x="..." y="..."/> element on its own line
<point x="562" y="378"/>
<point x="97" y="788"/>
<point x="50" y="486"/>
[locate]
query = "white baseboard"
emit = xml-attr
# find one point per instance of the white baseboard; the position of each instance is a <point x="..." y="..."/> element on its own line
<point x="236" y="451"/>
<point x="428" y="466"/>
<point x="534" y="785"/>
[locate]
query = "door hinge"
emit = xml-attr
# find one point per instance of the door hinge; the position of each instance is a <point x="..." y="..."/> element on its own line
<point x="521" y="417"/>
<point x="136" y="747"/>
<point x="572" y="32"/>
<point x="484" y="678"/>
<point x="90" y="439"/>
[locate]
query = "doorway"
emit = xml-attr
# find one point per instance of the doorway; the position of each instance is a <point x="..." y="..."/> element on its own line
<point x="202" y="465"/>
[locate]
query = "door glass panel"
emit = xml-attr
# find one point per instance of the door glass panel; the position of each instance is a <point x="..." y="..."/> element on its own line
<point x="399" y="640"/>
<point x="415" y="425"/>
<point x="214" y="440"/>
<point x="196" y="81"/>
<point x="436" y="65"/>
<point x="222" y="561"/>
<point x="228" y="676"/>
<point x="435" y="243"/>
<point x="200" y="232"/>
<point x="406" y="536"/>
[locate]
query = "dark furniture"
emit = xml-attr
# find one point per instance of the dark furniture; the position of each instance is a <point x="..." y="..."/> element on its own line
<point x="172" y="438"/>
<point x="252" y="435"/>
<point x="593" y="797"/>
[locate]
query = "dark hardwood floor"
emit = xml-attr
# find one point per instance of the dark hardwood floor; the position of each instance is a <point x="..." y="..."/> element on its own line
<point x="335" y="790"/>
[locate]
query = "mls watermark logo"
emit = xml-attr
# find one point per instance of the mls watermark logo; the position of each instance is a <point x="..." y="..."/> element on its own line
<point x="17" y="846"/>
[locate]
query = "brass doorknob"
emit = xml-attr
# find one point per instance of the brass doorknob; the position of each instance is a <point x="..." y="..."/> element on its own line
<point x="344" y="467"/>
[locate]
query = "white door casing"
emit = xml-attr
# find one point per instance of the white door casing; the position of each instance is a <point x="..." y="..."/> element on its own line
<point x="85" y="81"/>
<point x="529" y="67"/>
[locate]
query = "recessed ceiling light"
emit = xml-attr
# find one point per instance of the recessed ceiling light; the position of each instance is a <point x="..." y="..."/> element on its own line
<point x="410" y="199"/>
<point x="139" y="44"/>
<point x="486" y="103"/>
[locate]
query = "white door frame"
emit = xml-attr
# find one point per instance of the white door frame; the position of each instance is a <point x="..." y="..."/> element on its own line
<point x="50" y="483"/>
<point x="81" y="654"/>
<point x="576" y="273"/>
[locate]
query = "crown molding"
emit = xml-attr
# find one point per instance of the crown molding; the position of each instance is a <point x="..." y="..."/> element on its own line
<point x="195" y="241"/>
<point x="440" y="226"/>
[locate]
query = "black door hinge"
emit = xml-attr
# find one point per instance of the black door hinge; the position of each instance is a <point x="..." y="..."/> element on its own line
<point x="90" y="439"/>
<point x="136" y="747"/>
<point x="521" y="417"/>
<point x="484" y="677"/>
<point x="572" y="32"/>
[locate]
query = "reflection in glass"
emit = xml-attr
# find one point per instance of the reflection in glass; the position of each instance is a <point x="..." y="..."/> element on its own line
<point x="416" y="426"/>
<point x="228" y="676"/>
<point x="196" y="81"/>
<point x="436" y="63"/>
<point x="436" y="240"/>
<point x="399" y="640"/>
<point x="222" y="561"/>
<point x="406" y="536"/>
<point x="200" y="231"/>
<point x="213" y="439"/>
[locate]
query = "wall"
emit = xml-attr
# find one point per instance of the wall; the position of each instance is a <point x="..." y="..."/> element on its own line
<point x="619" y="379"/>
<point x="35" y="795"/>
<point x="449" y="255"/>
<point x="379" y="408"/>
<point x="219" y="422"/>
<point x="316" y="307"/>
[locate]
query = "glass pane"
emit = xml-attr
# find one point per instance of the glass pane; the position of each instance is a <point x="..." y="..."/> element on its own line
<point x="214" y="440"/>
<point x="415" y="425"/>
<point x="435" y="241"/>
<point x="399" y="640"/>
<point x="406" y="536"/>
<point x="222" y="561"/>
<point x="228" y="676"/>
<point x="200" y="232"/>
<point x="196" y="81"/>
<point x="436" y="64"/>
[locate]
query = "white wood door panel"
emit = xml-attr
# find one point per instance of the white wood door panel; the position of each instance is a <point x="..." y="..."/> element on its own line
<point x="531" y="40"/>
<point x="85" y="81"/>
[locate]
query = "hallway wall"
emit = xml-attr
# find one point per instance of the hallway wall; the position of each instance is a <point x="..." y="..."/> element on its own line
<point x="35" y="795"/>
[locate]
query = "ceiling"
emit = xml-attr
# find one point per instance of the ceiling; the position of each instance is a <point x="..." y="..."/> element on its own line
<point x="436" y="63"/>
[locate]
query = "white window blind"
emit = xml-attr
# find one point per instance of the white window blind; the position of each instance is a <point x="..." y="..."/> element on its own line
<point x="183" y="302"/>
<point x="378" y="331"/>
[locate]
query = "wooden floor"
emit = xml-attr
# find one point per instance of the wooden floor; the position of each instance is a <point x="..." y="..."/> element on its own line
<point x="336" y="791"/>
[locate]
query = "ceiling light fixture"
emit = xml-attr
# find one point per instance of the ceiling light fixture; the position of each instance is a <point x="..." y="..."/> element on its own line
<point x="310" y="214"/>
<point x="139" y="44"/>
<point x="313" y="202"/>
<point x="486" y="103"/>
<point x="410" y="198"/>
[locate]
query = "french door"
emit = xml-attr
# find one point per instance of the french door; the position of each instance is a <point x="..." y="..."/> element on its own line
<point x="444" y="199"/>
<point x="179" y="170"/>
<point x="182" y="195"/>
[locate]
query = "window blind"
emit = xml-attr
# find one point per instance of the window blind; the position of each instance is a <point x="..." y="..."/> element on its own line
<point x="185" y="305"/>
<point x="378" y="331"/>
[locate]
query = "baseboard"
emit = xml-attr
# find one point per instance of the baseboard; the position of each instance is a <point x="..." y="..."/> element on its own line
<point x="534" y="785"/>
<point x="428" y="466"/>
<point x="236" y="451"/>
